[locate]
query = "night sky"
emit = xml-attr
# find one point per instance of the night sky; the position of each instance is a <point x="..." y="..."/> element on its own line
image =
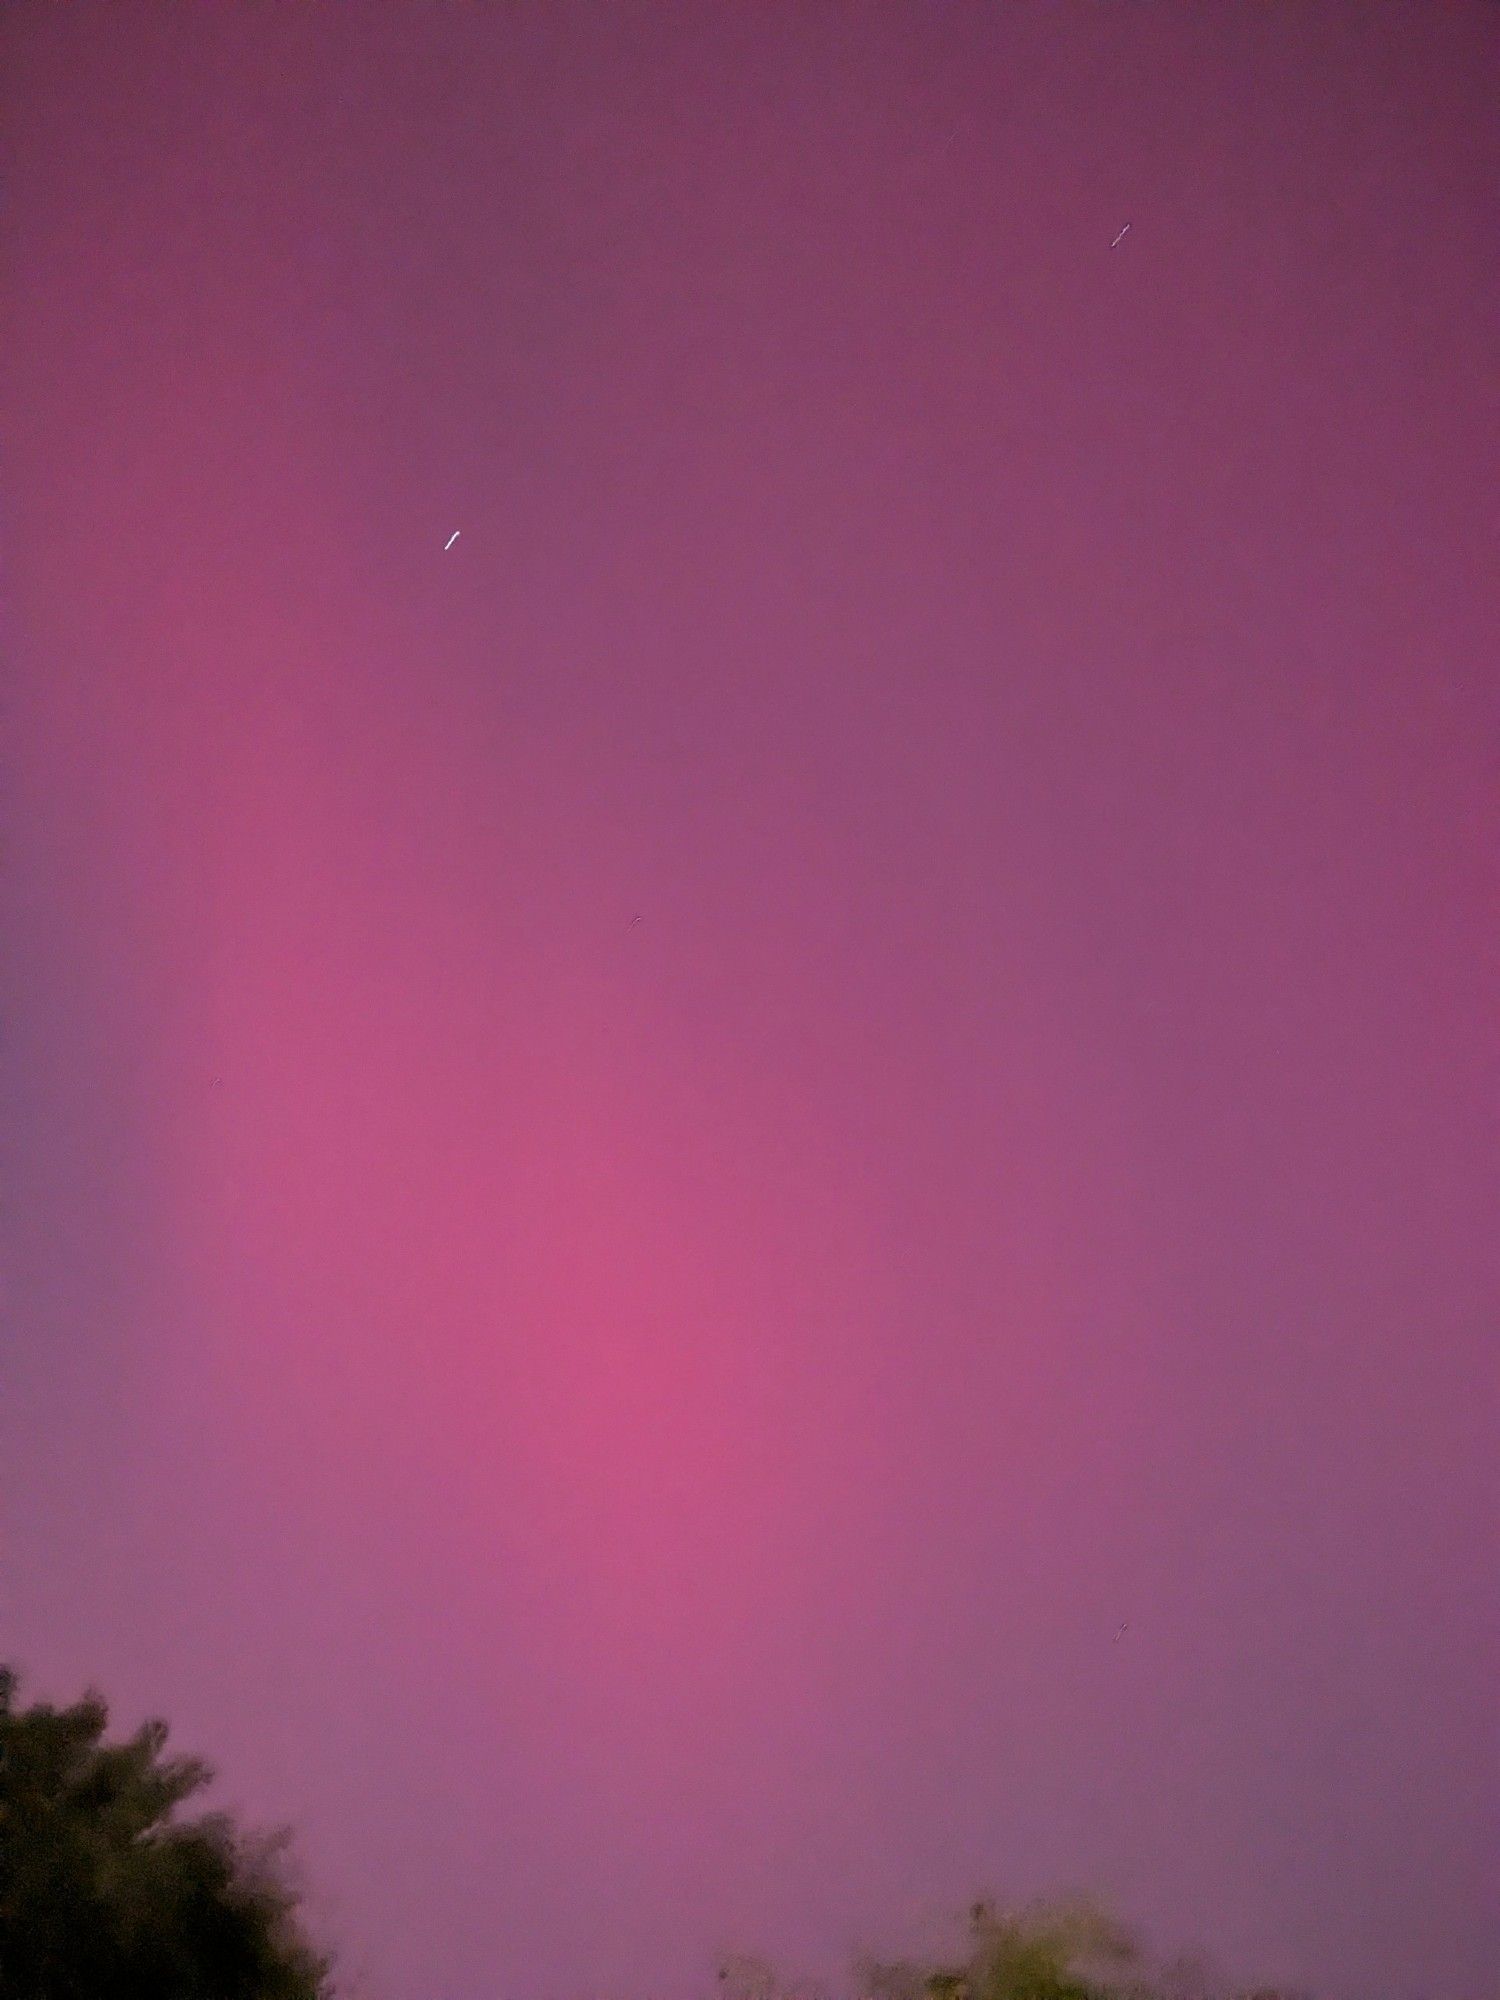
<point x="638" y="1437"/>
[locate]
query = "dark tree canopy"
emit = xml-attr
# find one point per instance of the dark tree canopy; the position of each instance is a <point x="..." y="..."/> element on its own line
<point x="105" y="1894"/>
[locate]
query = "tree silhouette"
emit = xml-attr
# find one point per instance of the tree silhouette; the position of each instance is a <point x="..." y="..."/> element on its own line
<point x="106" y="1895"/>
<point x="1066" y="1950"/>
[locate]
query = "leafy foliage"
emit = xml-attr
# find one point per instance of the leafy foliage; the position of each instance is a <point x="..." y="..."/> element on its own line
<point x="1060" y="1951"/>
<point x="1067" y="1949"/>
<point x="106" y="1895"/>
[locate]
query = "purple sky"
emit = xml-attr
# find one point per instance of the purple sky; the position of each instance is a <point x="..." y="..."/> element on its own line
<point x="638" y="1438"/>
